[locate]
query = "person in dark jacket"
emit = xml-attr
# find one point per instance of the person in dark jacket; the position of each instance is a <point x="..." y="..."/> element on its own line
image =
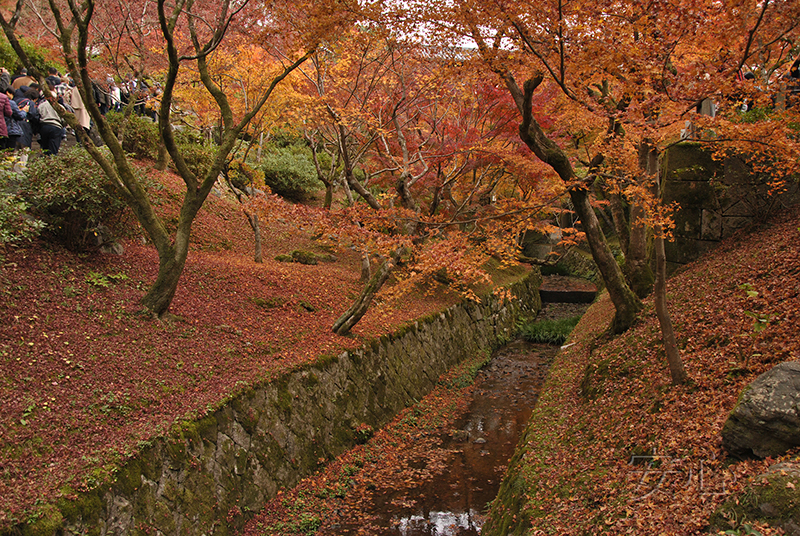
<point x="5" y="107"/>
<point x="14" y="123"/>
<point x="32" y="116"/>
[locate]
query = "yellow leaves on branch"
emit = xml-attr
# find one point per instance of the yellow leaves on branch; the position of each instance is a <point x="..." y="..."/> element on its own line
<point x="244" y="72"/>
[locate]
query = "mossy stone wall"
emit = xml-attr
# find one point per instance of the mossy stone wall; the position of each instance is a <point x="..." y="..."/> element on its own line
<point x="715" y="198"/>
<point x="210" y="476"/>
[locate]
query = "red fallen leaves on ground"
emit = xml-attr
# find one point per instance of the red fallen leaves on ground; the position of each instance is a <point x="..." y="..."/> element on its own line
<point x="345" y="496"/>
<point x="609" y="401"/>
<point x="577" y="471"/>
<point x="86" y="378"/>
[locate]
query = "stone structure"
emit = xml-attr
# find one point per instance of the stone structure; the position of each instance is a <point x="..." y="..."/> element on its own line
<point x="766" y="419"/>
<point x="716" y="199"/>
<point x="210" y="476"/>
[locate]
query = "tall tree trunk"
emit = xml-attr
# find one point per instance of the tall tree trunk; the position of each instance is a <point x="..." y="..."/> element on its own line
<point x="676" y="370"/>
<point x="620" y="222"/>
<point x="328" y="194"/>
<point x="637" y="268"/>
<point x="626" y="303"/>
<point x="351" y="317"/>
<point x="170" y="267"/>
<point x="648" y="159"/>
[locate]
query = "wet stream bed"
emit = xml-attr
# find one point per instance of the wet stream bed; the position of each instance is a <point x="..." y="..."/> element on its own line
<point x="453" y="502"/>
<point x="436" y="468"/>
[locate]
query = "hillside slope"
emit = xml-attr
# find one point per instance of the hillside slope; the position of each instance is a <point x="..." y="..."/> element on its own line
<point x="87" y="380"/>
<point x="612" y="447"/>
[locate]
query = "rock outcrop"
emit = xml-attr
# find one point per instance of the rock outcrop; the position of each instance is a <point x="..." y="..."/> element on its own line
<point x="766" y="419"/>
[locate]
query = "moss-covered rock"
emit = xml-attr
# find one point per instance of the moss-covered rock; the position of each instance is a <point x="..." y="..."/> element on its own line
<point x="773" y="498"/>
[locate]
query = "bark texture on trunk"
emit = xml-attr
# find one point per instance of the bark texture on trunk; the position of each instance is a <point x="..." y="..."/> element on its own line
<point x="252" y="219"/>
<point x="626" y="303"/>
<point x="676" y="370"/>
<point x="637" y="266"/>
<point x="366" y="267"/>
<point x="170" y="267"/>
<point x="353" y="315"/>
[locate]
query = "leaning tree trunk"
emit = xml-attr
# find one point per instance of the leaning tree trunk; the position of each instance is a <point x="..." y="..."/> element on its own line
<point x="626" y="303"/>
<point x="354" y="314"/>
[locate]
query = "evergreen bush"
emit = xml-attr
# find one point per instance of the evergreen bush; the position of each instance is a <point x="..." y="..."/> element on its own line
<point x="15" y="222"/>
<point x="198" y="156"/>
<point x="138" y="135"/>
<point x="71" y="194"/>
<point x="289" y="172"/>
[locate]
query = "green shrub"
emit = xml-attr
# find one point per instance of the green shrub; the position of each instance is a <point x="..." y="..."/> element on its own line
<point x="36" y="54"/>
<point x="289" y="172"/>
<point x="198" y="157"/>
<point x="15" y="223"/>
<point x="72" y="195"/>
<point x="138" y="135"/>
<point x="549" y="331"/>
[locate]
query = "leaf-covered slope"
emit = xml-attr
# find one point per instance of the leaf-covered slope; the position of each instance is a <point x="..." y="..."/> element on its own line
<point x="612" y="447"/>
<point x="85" y="378"/>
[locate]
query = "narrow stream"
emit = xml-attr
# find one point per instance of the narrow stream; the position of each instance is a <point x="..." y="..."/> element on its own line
<point x="454" y="503"/>
<point x="505" y="393"/>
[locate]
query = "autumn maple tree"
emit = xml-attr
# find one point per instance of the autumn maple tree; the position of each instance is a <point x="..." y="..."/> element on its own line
<point x="189" y="34"/>
<point x="429" y="148"/>
<point x="629" y="76"/>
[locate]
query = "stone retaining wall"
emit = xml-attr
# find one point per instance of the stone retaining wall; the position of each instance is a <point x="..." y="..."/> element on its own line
<point x="716" y="199"/>
<point x="210" y="476"/>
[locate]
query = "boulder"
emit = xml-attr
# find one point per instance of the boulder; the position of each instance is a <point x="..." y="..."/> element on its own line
<point x="766" y="419"/>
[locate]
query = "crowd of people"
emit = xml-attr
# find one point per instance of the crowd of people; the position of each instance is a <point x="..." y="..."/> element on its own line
<point x="30" y="114"/>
